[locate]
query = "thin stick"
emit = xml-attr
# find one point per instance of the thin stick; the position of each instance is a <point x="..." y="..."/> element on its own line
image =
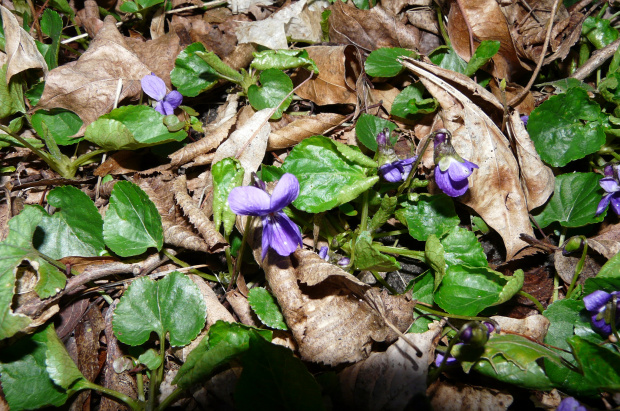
<point x="527" y="88"/>
<point x="208" y="5"/>
<point x="596" y="60"/>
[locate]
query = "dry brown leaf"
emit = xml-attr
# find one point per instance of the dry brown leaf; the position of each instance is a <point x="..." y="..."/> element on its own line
<point x="189" y="153"/>
<point x="88" y="17"/>
<point x="460" y="397"/>
<point x="88" y="86"/>
<point x="534" y="326"/>
<point x="241" y="307"/>
<point x="205" y="227"/>
<point x="607" y="242"/>
<point x="565" y="266"/>
<point x="391" y="379"/>
<point x="370" y="29"/>
<point x="525" y="105"/>
<point x="121" y="162"/>
<point x="487" y="23"/>
<point x="495" y="191"/>
<point x="339" y="69"/>
<point x="21" y="50"/>
<point x="248" y="143"/>
<point x="537" y="179"/>
<point x="301" y="128"/>
<point x="424" y="18"/>
<point x="160" y="53"/>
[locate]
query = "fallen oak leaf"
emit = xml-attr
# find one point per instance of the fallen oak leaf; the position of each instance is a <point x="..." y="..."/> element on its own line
<point x="88" y="86"/>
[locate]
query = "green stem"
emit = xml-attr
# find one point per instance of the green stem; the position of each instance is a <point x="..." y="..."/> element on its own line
<point x="364" y="217"/>
<point x="229" y="262"/>
<point x="404" y="186"/>
<point x="384" y="283"/>
<point x="86" y="157"/>
<point x="556" y="288"/>
<point x="131" y="403"/>
<point x="455" y="316"/>
<point x="578" y="269"/>
<point x="193" y="270"/>
<point x="418" y="255"/>
<point x="157" y="376"/>
<point x="140" y="386"/>
<point x="533" y="299"/>
<point x="174" y="395"/>
<point x="391" y="233"/>
<point x="44" y="156"/>
<point x="244" y="241"/>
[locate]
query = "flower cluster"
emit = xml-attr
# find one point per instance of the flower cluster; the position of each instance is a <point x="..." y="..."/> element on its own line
<point x="611" y="184"/>
<point x="599" y="304"/>
<point x="155" y="88"/>
<point x="279" y="232"/>
<point x="391" y="168"/>
<point x="451" y="170"/>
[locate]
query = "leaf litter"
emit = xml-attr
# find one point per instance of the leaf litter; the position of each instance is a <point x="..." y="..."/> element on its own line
<point x="336" y="327"/>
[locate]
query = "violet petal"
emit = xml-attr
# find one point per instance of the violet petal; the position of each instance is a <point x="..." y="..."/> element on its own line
<point x="460" y="171"/>
<point x="570" y="404"/>
<point x="174" y="98"/>
<point x="267" y="235"/>
<point x="600" y="325"/>
<point x="390" y="173"/>
<point x="249" y="200"/>
<point x="159" y="107"/>
<point x="285" y="192"/>
<point x="323" y="253"/>
<point x="166" y="108"/>
<point x="154" y="87"/>
<point x="448" y="186"/>
<point x="609" y="184"/>
<point x="284" y="235"/>
<point x="596" y="300"/>
<point x="602" y="205"/>
<point x="615" y="203"/>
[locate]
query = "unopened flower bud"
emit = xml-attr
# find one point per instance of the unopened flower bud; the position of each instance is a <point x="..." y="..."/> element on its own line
<point x="573" y="244"/>
<point x="475" y="333"/>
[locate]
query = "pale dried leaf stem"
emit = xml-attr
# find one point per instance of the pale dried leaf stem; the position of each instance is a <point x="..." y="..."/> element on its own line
<point x="205" y="227"/>
<point x="596" y="60"/>
<point x="527" y="88"/>
<point x="208" y="5"/>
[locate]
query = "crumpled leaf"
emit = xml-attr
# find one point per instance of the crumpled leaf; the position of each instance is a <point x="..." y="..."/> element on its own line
<point x="248" y="143"/>
<point x="302" y="128"/>
<point x="88" y="86"/>
<point x="16" y="248"/>
<point x="21" y="50"/>
<point x="298" y="22"/>
<point x="390" y="380"/>
<point x="495" y="190"/>
<point x="607" y="242"/>
<point x="445" y="395"/>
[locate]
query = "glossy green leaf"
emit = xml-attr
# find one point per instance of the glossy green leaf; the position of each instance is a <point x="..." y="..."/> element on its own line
<point x="562" y="86"/>
<point x="327" y="178"/>
<point x="367" y="128"/>
<point x="275" y="86"/>
<point x="435" y="257"/>
<point x="51" y="26"/>
<point x="34" y="93"/>
<point x="11" y="95"/>
<point x="574" y="201"/>
<point x="145" y="124"/>
<point x="568" y="317"/>
<point x="355" y="155"/>
<point x="171" y="305"/>
<point x="128" y="7"/>
<point x="446" y="57"/>
<point x="75" y="229"/>
<point x="224" y="342"/>
<point x="411" y="102"/>
<point x="599" y="31"/>
<point x="62" y="6"/>
<point x="16" y="248"/>
<point x="59" y="365"/>
<point x="607" y="279"/>
<point x="484" y="52"/>
<point x="383" y="62"/>
<point x="428" y="215"/>
<point x="191" y="74"/>
<point x="283" y="60"/>
<point x="266" y="308"/>
<point x="469" y="290"/>
<point x="566" y="127"/>
<point x="600" y="365"/>
<point x="423" y="292"/>
<point x="61" y="124"/>
<point x="23" y="372"/>
<point x="132" y="223"/>
<point x="462" y="247"/>
<point x="150" y="358"/>
<point x="609" y="88"/>
<point x="149" y="3"/>
<point x="227" y="174"/>
<point x="532" y="377"/>
<point x="111" y="135"/>
<point x="368" y="258"/>
<point x="385" y="212"/>
<point x="273" y="378"/>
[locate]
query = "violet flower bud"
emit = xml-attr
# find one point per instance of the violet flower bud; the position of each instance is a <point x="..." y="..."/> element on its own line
<point x="451" y="170"/>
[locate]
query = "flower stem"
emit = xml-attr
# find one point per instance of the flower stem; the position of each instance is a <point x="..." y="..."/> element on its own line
<point x="384" y="283"/>
<point x="364" y="222"/>
<point x="229" y="262"/>
<point x="244" y="240"/>
<point x="404" y="186"/>
<point x="417" y="255"/>
<point x="171" y="398"/>
<point x="133" y="404"/>
<point x="578" y="268"/>
<point x="533" y="299"/>
<point x="193" y="271"/>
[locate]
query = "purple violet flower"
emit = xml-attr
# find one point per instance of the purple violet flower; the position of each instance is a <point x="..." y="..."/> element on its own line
<point x="279" y="232"/>
<point x="570" y="404"/>
<point x="451" y="171"/>
<point x="323" y="253"/>
<point x="398" y="170"/>
<point x="525" y="119"/>
<point x="599" y="305"/>
<point x="155" y="88"/>
<point x="611" y="186"/>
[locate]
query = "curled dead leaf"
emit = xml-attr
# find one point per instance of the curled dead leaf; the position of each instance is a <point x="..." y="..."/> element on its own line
<point x="461" y="397"/>
<point x="534" y="327"/>
<point x="607" y="242"/>
<point x="301" y="128"/>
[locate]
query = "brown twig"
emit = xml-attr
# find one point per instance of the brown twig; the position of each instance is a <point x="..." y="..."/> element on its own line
<point x="596" y="60"/>
<point x="523" y="92"/>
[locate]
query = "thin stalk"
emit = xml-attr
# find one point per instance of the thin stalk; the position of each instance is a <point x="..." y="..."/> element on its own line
<point x="229" y="262"/>
<point x="418" y="255"/>
<point x="391" y="233"/>
<point x="171" y="398"/>
<point x="44" y="156"/>
<point x="86" y="157"/>
<point x="364" y="222"/>
<point x="578" y="269"/>
<point x="157" y="376"/>
<point x="455" y="316"/>
<point x="384" y="283"/>
<point x="556" y="288"/>
<point x="140" y="386"/>
<point x="193" y="270"/>
<point x="614" y="305"/>
<point x="533" y="299"/>
<point x="244" y="241"/>
<point x="404" y="186"/>
<point x="131" y="403"/>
